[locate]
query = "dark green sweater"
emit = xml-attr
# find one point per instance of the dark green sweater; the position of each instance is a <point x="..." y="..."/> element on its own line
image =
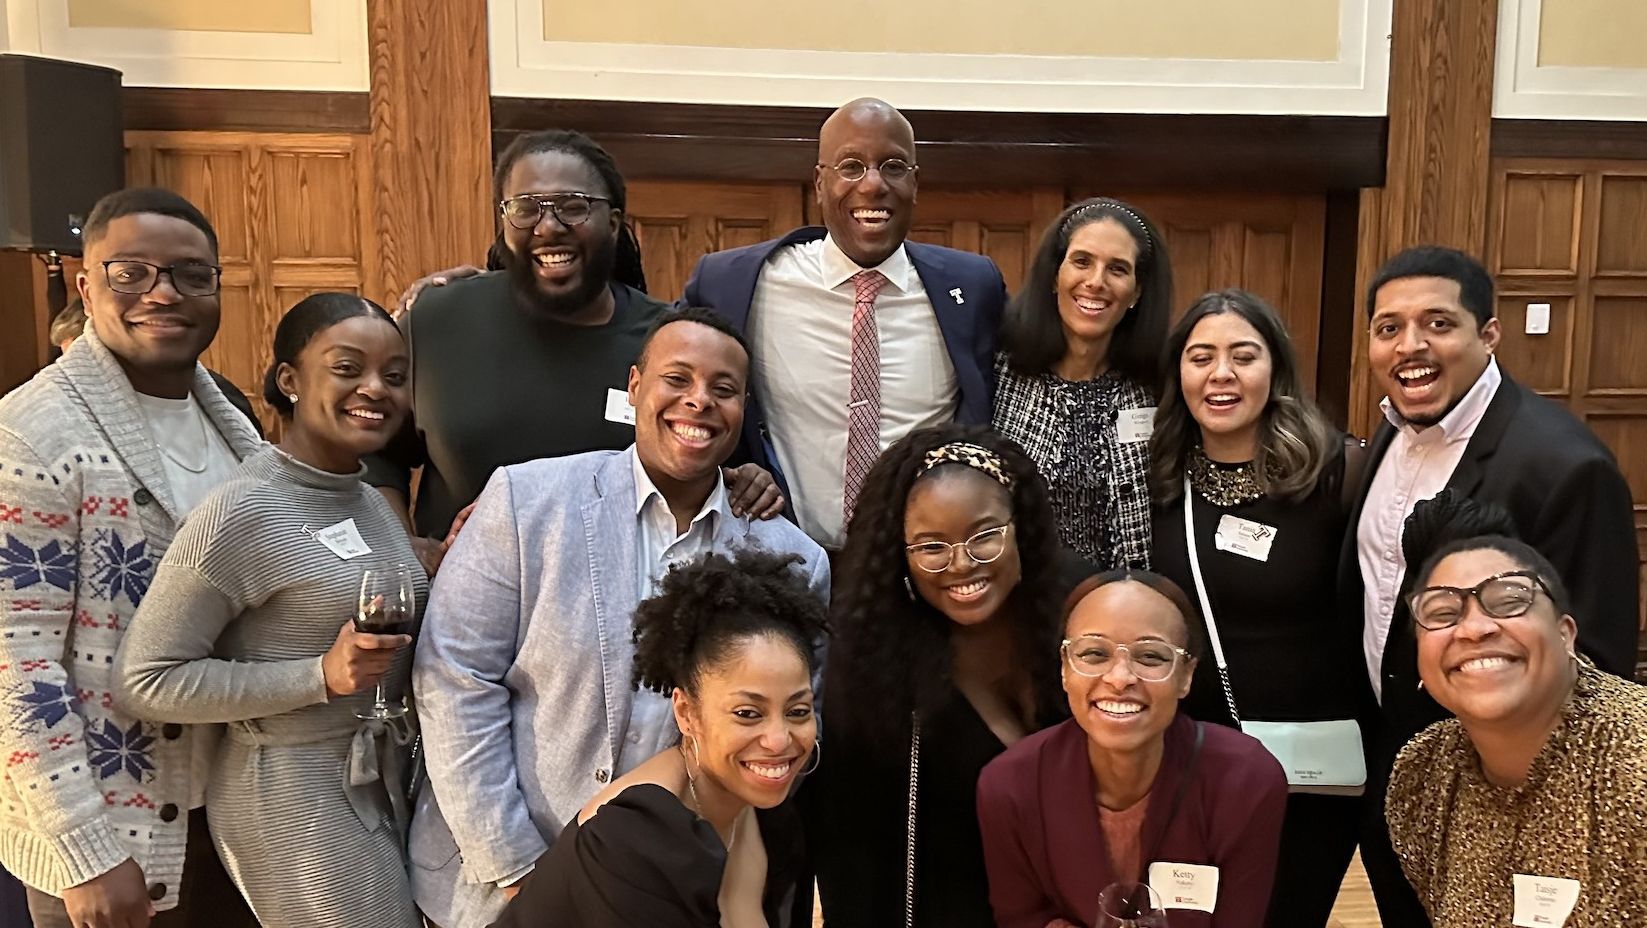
<point x="493" y="385"/>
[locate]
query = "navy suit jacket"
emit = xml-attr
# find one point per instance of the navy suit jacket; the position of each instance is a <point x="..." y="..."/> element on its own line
<point x="967" y="296"/>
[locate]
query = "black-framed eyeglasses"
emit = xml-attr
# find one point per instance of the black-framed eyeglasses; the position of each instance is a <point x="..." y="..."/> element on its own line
<point x="1501" y="596"/>
<point x="934" y="557"/>
<point x="139" y="277"/>
<point x="892" y="170"/>
<point x="569" y="209"/>
<point x="1095" y="655"/>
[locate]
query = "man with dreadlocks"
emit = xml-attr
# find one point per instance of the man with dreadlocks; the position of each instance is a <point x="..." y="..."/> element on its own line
<point x="530" y="361"/>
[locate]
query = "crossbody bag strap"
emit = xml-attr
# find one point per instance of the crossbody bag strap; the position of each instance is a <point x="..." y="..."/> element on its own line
<point x="1206" y="603"/>
<point x="909" y="845"/>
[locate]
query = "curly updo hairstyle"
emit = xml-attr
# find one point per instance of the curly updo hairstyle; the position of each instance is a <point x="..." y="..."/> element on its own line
<point x="703" y="610"/>
<point x="891" y="650"/>
<point x="310" y="316"/>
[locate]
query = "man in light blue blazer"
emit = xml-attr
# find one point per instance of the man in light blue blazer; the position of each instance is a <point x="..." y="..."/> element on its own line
<point x="523" y="673"/>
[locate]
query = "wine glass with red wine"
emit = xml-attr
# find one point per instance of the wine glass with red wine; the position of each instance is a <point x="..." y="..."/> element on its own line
<point x="385" y="609"/>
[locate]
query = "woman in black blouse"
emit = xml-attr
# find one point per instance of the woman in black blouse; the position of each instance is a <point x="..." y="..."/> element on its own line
<point x="945" y="651"/>
<point x="699" y="836"/>
<point x="1266" y="477"/>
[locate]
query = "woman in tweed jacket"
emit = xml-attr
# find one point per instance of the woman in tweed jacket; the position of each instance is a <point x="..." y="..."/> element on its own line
<point x="1075" y="383"/>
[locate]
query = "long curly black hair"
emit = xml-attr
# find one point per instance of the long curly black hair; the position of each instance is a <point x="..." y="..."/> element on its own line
<point x="703" y="609"/>
<point x="891" y="648"/>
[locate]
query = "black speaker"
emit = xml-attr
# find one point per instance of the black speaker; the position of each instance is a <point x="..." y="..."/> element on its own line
<point x="61" y="148"/>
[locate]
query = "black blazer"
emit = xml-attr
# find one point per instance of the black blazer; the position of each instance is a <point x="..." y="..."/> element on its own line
<point x="1569" y="501"/>
<point x="967" y="294"/>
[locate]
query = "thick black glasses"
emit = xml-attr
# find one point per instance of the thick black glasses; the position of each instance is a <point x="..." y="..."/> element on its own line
<point x="892" y="170"/>
<point x="934" y="557"/>
<point x="1502" y="596"/>
<point x="139" y="277"/>
<point x="569" y="209"/>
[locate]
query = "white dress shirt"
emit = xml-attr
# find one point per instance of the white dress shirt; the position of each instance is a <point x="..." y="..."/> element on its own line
<point x="800" y="326"/>
<point x="1416" y="467"/>
<point x="659" y="547"/>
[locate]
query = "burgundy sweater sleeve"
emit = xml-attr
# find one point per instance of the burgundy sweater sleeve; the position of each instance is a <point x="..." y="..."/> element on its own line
<point x="1250" y="803"/>
<point x="1015" y="888"/>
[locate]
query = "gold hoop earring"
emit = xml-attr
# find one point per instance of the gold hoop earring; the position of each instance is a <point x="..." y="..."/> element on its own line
<point x="696" y="756"/>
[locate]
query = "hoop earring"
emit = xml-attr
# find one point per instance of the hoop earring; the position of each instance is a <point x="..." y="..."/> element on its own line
<point x="909" y="588"/>
<point x="696" y="756"/>
<point x="817" y="757"/>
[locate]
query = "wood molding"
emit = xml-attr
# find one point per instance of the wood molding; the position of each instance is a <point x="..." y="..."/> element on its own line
<point x="430" y="123"/>
<point x="1440" y="112"/>
<point x="1120" y="151"/>
<point x="1438" y="171"/>
<point x="1569" y="138"/>
<point x="216" y="110"/>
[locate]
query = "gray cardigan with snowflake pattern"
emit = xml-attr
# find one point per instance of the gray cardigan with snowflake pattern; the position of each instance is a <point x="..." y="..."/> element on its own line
<point x="85" y="514"/>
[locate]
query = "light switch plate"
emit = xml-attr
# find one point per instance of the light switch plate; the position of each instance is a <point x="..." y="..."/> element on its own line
<point x="1538" y="318"/>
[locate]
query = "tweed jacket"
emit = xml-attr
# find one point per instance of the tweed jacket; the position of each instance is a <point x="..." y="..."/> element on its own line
<point x="523" y="669"/>
<point x="85" y="515"/>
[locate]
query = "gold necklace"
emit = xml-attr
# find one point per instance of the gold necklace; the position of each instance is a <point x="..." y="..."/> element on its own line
<point x="1224" y="485"/>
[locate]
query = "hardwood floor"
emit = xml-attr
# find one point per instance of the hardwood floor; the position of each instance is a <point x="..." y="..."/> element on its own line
<point x="1355" y="907"/>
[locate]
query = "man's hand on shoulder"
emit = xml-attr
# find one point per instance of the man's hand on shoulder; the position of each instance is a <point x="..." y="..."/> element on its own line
<point x="752" y="492"/>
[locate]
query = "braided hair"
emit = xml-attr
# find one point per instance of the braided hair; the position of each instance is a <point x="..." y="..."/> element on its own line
<point x="628" y="269"/>
<point x="703" y="610"/>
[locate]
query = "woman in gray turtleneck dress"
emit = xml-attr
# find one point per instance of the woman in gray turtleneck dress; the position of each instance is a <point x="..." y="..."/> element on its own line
<point x="248" y="623"/>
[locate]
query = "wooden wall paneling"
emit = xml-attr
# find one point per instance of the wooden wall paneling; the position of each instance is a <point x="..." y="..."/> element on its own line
<point x="1269" y="244"/>
<point x="1364" y="415"/>
<point x="202" y="109"/>
<point x="292" y="215"/>
<point x="23" y="348"/>
<point x="678" y="222"/>
<point x="1436" y="175"/>
<point x="430" y="108"/>
<point x="681" y="141"/>
<point x="1003" y="225"/>
<point x="1597" y="289"/>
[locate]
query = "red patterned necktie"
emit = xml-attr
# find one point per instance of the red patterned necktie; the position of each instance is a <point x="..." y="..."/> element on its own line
<point x="863" y="418"/>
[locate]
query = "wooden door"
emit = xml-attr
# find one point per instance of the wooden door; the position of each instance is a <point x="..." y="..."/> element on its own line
<point x="291" y="213"/>
<point x="1269" y="244"/>
<point x="1572" y="235"/>
<point x="678" y="222"/>
<point x="1003" y="225"/>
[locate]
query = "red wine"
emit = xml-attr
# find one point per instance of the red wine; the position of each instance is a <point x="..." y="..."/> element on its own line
<point x="382" y="620"/>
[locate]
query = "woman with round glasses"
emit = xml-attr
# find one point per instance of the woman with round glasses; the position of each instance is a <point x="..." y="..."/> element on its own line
<point x="1531" y="804"/>
<point x="1128" y="790"/>
<point x="1248" y="479"/>
<point x="1076" y="378"/>
<point x="945" y="633"/>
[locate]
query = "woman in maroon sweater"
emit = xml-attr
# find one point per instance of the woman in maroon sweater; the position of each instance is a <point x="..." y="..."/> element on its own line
<point x="1127" y="790"/>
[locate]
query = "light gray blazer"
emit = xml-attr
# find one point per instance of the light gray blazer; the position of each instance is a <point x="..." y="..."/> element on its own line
<point x="523" y="669"/>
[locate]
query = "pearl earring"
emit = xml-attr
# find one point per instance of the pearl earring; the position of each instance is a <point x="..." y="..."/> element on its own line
<point x="292" y="397"/>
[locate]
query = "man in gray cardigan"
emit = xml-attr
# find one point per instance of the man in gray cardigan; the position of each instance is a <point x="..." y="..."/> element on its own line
<point x="101" y="455"/>
<point x="523" y="668"/>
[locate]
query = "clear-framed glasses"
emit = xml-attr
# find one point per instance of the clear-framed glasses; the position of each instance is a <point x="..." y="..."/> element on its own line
<point x="934" y="557"/>
<point x="139" y="277"/>
<point x="1094" y="655"/>
<point x="569" y="209"/>
<point x="1502" y="596"/>
<point x="892" y="170"/>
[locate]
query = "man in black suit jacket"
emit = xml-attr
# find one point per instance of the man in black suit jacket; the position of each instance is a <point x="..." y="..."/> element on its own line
<point x="937" y="317"/>
<point x="1455" y="420"/>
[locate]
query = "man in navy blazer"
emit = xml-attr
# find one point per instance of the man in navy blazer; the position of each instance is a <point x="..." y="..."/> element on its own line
<point x="794" y="297"/>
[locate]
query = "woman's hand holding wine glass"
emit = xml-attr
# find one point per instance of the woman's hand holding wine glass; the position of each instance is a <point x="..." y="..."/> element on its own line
<point x="357" y="660"/>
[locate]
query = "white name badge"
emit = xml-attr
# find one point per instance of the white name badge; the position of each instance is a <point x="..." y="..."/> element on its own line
<point x="1185" y="886"/>
<point x="618" y="409"/>
<point x="1135" y="424"/>
<point x="1244" y="537"/>
<point x="343" y="539"/>
<point x="1543" y="901"/>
